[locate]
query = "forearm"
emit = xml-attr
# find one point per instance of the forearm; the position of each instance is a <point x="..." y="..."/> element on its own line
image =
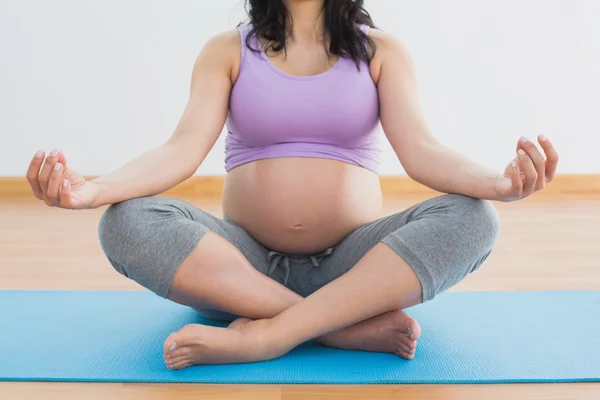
<point x="380" y="282"/>
<point x="151" y="173"/>
<point x="447" y="171"/>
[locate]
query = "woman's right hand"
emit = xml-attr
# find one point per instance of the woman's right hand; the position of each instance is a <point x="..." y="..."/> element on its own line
<point x="58" y="185"/>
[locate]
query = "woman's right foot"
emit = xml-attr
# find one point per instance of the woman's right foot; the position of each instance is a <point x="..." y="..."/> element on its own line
<point x="394" y="332"/>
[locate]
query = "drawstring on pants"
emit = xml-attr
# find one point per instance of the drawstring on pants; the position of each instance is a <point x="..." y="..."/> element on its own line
<point x="274" y="258"/>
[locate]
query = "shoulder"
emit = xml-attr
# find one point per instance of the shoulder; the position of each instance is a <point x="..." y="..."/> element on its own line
<point x="223" y="45"/>
<point x="222" y="51"/>
<point x="388" y="45"/>
<point x="389" y="50"/>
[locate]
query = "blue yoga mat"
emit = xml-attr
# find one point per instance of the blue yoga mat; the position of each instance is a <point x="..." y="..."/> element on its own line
<point x="467" y="338"/>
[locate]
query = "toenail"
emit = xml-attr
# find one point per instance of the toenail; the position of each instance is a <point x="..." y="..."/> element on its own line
<point x="172" y="347"/>
<point x="410" y="332"/>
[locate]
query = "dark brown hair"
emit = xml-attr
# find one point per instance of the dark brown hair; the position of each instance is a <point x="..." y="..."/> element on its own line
<point x="271" y="21"/>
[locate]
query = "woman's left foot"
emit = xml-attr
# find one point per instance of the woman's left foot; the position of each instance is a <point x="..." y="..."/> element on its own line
<point x="394" y="332"/>
<point x="200" y="344"/>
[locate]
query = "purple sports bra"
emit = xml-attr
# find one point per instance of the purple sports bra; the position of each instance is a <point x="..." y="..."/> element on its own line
<point x="273" y="114"/>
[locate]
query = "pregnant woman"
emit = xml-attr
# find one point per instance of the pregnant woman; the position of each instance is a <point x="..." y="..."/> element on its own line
<point x="302" y="251"/>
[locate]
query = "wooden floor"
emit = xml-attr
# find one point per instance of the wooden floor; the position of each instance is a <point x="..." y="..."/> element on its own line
<point x="546" y="243"/>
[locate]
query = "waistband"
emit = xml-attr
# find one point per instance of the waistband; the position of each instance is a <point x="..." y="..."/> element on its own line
<point x="277" y="259"/>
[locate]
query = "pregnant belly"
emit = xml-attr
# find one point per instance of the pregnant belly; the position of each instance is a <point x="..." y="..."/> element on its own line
<point x="301" y="205"/>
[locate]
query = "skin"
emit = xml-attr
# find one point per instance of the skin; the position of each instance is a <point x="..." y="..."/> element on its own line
<point x="277" y="319"/>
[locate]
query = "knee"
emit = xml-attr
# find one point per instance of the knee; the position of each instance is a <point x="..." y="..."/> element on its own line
<point x="479" y="218"/>
<point x="118" y="228"/>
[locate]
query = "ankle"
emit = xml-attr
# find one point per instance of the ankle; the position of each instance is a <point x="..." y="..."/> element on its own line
<point x="261" y="339"/>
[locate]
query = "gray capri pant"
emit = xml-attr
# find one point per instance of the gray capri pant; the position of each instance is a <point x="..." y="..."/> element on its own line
<point x="443" y="239"/>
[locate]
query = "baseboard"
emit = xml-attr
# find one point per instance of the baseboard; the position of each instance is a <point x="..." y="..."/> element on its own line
<point x="574" y="185"/>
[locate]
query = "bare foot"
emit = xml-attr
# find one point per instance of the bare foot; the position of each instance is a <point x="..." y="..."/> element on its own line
<point x="200" y="344"/>
<point x="393" y="332"/>
<point x="244" y="340"/>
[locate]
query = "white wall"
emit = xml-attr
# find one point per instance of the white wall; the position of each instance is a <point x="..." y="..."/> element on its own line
<point x="106" y="80"/>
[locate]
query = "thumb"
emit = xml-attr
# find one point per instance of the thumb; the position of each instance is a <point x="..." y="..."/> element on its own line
<point x="515" y="177"/>
<point x="65" y="198"/>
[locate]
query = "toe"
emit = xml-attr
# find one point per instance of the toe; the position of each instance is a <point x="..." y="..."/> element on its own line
<point x="413" y="329"/>
<point x="169" y="358"/>
<point x="402" y="354"/>
<point x="180" y="365"/>
<point x="170" y="344"/>
<point x="405" y="351"/>
<point x="406" y="341"/>
<point x="403" y="348"/>
<point x="177" y="340"/>
<point x="175" y="361"/>
<point x="407" y="354"/>
<point x="180" y="352"/>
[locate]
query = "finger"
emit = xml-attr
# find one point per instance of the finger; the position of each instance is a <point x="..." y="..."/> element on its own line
<point x="62" y="159"/>
<point x="515" y="177"/>
<point x="33" y="173"/>
<point x="527" y="167"/>
<point x="54" y="185"/>
<point x="551" y="157"/>
<point x="65" y="194"/>
<point x="47" y="170"/>
<point x="538" y="160"/>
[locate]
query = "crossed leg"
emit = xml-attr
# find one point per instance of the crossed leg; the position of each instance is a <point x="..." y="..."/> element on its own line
<point x="219" y="272"/>
<point x="428" y="249"/>
<point x="380" y="283"/>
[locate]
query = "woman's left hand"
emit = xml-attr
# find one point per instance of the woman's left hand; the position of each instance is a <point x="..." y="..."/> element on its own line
<point x="529" y="171"/>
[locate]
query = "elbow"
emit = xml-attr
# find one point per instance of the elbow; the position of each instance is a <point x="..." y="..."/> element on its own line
<point x="190" y="170"/>
<point x="418" y="159"/>
<point x="413" y="164"/>
<point x="186" y="158"/>
<point x="188" y="174"/>
<point x="413" y="172"/>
